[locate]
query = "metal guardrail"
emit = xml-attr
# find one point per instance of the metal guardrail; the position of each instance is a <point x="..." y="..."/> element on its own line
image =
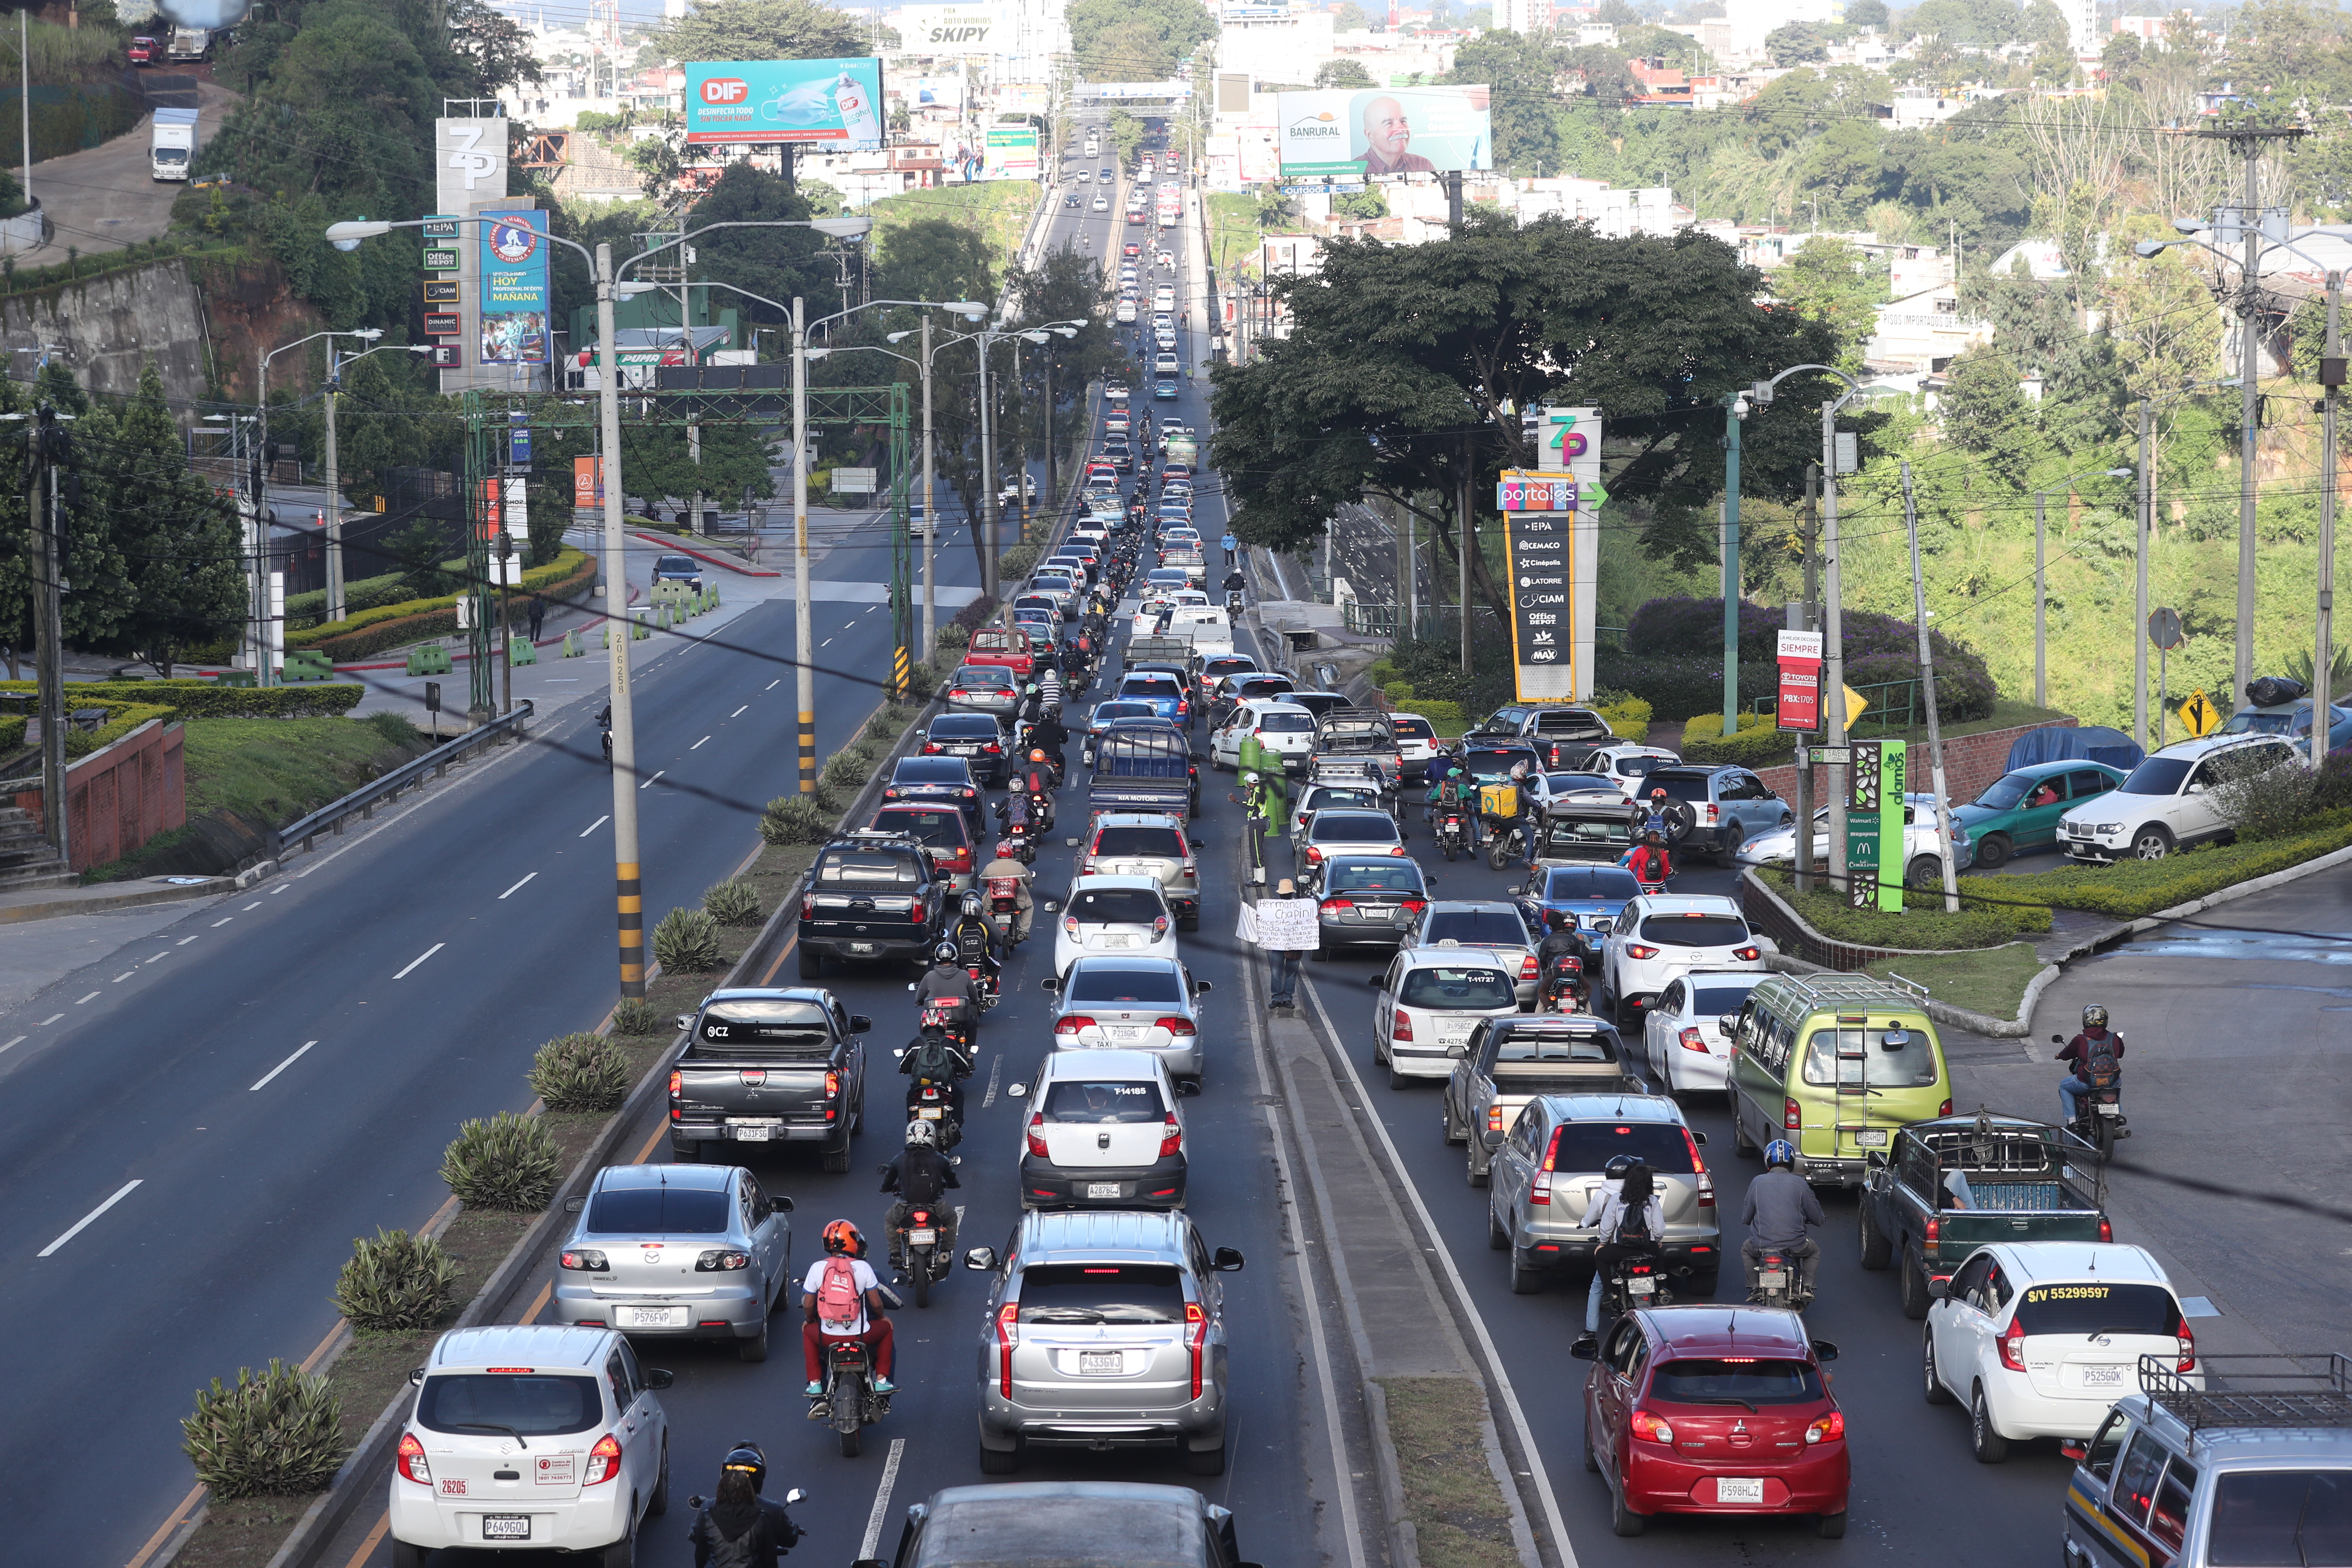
<point x="363" y="801"/>
<point x="1883" y="715"/>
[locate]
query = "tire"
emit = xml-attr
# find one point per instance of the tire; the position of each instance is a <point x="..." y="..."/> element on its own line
<point x="1931" y="1386"/>
<point x="812" y="963"/>
<point x="1448" y="846"/>
<point x="2152" y="842"/>
<point x="1477" y="1177"/>
<point x="1741" y="1143"/>
<point x="918" y="1273"/>
<point x="1877" y="1252"/>
<point x="754" y="1350"/>
<point x="1993" y="850"/>
<point x="1681" y="822"/>
<point x="1525" y="1281"/>
<point x="1830" y="1526"/>
<point x="404" y="1556"/>
<point x="1497" y="1238"/>
<point x="1988" y="1445"/>
<point x="836" y="1161"/>
<point x="853" y="1442"/>
<point x="1205" y="1461"/>
<point x="1914" y="1281"/>
<point x="1702" y="1287"/>
<point x="1623" y="1520"/>
<point x="999" y="1461"/>
<point x="659" y="1504"/>
<point x="1498" y="852"/>
<point x="1396" y="1079"/>
<point x="2106" y="1138"/>
<point x="623" y="1553"/>
<point x="1727" y="849"/>
<point x="1925" y="872"/>
<point x="1445" y="1124"/>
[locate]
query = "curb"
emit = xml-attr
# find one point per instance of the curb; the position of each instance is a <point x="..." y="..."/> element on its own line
<point x="669" y="543"/>
<point x="19" y="914"/>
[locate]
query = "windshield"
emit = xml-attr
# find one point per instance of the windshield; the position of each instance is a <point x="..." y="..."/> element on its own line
<point x="660" y="1211"/>
<point x="677" y="564"/>
<point x="1612" y="831"/>
<point x="1694" y="931"/>
<point x="1474" y="988"/>
<point x="2005" y="791"/>
<point x="1636" y="766"/>
<point x="1476" y="928"/>
<point x="1412" y="729"/>
<point x="1591" y="882"/>
<point x="1742" y="1379"/>
<point x="2158" y="775"/>
<point x="1590" y="1145"/>
<point x="770" y="1025"/>
<point x="964" y="727"/>
<point x="2099" y="1309"/>
<point x="1487" y="766"/>
<point x="1165" y="842"/>
<point x="1286" y="723"/>
<point x="2281" y="1519"/>
<point x="1895" y="1057"/>
<point x="1104" y="1104"/>
<point x="1117" y="906"/>
<point x="1101" y="982"/>
<point x="1567" y="784"/>
<point x="1101" y="1293"/>
<point x="932" y="771"/>
<point x="535" y="1404"/>
<point x="2268" y="724"/>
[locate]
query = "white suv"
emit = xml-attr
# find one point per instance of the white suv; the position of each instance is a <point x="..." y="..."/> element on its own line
<point x="1658" y="938"/>
<point x="2167" y="803"/>
<point x="529" y="1437"/>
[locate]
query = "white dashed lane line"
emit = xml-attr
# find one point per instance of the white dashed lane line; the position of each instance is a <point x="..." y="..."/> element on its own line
<point x="84" y="999"/>
<point x="48" y="1021"/>
<point x="124" y="975"/>
<point x="83" y="1224"/>
<point x="699" y="744"/>
<point x="649" y="782"/>
<point x="741" y="711"/>
<point x="595" y="825"/>
<point x="281" y="1066"/>
<point x="15" y="1043"/>
<point x="186" y="940"/>
<point x="510" y="892"/>
<point x="421" y="958"/>
<point x="222" y="921"/>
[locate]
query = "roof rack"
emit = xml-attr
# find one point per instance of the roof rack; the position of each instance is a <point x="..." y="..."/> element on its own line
<point x="2252" y="1390"/>
<point x="1834" y="988"/>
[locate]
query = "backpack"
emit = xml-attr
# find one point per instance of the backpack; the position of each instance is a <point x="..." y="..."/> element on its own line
<point x="741" y="1551"/>
<point x="934" y="1058"/>
<point x="1634" y="1224"/>
<point x="2100" y="1069"/>
<point x="836" y="1293"/>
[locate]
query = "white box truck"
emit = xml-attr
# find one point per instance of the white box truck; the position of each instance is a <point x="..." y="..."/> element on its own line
<point x="174" y="148"/>
<point x="190" y="45"/>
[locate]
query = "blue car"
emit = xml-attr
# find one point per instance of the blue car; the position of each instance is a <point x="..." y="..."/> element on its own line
<point x="1164" y="389"/>
<point x="1165" y="692"/>
<point x="1587" y="893"/>
<point x="2292" y="719"/>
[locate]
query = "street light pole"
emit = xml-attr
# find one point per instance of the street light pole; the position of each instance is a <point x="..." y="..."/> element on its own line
<point x="988" y="584"/>
<point x="2040" y="606"/>
<point x="930" y="507"/>
<point x="628" y="882"/>
<point x="2139" y="600"/>
<point x="2249" y="344"/>
<point x="1735" y="409"/>
<point x="2323" y="657"/>
<point x="804" y="635"/>
<point x="1833" y="652"/>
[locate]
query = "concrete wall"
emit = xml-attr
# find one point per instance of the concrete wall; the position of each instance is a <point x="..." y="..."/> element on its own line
<point x="1970" y="762"/>
<point x="121" y="795"/>
<point x="110" y="326"/>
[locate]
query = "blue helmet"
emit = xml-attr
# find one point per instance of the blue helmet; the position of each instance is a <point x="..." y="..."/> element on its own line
<point x="1780" y="1152"/>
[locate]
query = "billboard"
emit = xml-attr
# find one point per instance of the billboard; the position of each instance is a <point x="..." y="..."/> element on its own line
<point x="1542" y="556"/>
<point x="1012" y="153"/>
<point x="826" y="102"/>
<point x="514" y="261"/>
<point x="950" y="29"/>
<point x="1384" y="131"/>
<point x="931" y="92"/>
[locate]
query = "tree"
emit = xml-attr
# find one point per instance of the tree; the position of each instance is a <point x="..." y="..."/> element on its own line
<point x="1125" y="134"/>
<point x="419" y="550"/>
<point x="1869" y="14"/>
<point x="776" y="263"/>
<point x="936" y="259"/>
<point x="1985" y="414"/>
<point x="1797" y="44"/>
<point x="757" y="30"/>
<point x="1831" y="281"/>
<point x="1343" y="73"/>
<point x="1351" y="18"/>
<point x="1367" y="204"/>
<point x="178" y="543"/>
<point x="1136" y="41"/>
<point x="1525" y="116"/>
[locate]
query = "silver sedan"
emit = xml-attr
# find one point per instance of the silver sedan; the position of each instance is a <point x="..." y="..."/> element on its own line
<point x="1131" y="1004"/>
<point x="985" y="689"/>
<point x="677" y="1252"/>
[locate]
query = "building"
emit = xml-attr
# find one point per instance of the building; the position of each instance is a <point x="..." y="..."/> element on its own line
<point x="1925" y="331"/>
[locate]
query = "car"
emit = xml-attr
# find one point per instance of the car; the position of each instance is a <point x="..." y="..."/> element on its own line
<point x="1661" y="935"/>
<point x="1714" y="810"/>
<point x="1367" y="901"/>
<point x="1491" y="924"/>
<point x="1625" y="764"/>
<point x="1104" y="1130"/>
<point x="1168" y="693"/>
<point x="1231" y="690"/>
<point x="683" y="569"/>
<point x="942" y="829"/>
<point x="871" y="899"/>
<point x="1557" y="789"/>
<point x="1163" y="390"/>
<point x="1585" y="835"/>
<point x="1126" y="310"/>
<point x="1842" y="1066"/>
<point x="1043" y="623"/>
<point x="2292" y="719"/>
<point x="1335" y="833"/>
<point x="1491" y="762"/>
<point x="1102" y="203"/>
<point x="1131" y="249"/>
<point x="1561" y="733"/>
<point x="1506" y="1063"/>
<point x="1147" y="844"/>
<point x="1073" y="201"/>
<point x="1429" y="999"/>
<point x="2039" y="1339"/>
<point x="989" y="689"/>
<point x="944" y="780"/>
<point x="1101" y="1330"/>
<point x="1128" y="1003"/>
<point x="1166" y="579"/>
<point x="1715" y="1410"/>
<point x="1588" y="897"/>
<point x="1113" y="914"/>
<point x="1214" y="667"/>
<point x="1086" y="177"/>
<point x="1313" y="798"/>
<point x="1923" y="846"/>
<point x="1010" y="647"/>
<point x="1682" y="1035"/>
<point x="1106" y="714"/>
<point x="1416" y="742"/>
<point x="2021" y="810"/>
<point x="977" y="738"/>
<point x="2168" y="801"/>
<point x="570" y="1404"/>
<point x="1279" y="726"/>
<point x="1543" y="1175"/>
<point x="677" y="1252"/>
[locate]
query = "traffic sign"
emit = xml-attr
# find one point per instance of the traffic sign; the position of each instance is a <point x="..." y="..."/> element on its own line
<point x="2164" y="629"/>
<point x="2199" y="716"/>
<point x="1854" y="703"/>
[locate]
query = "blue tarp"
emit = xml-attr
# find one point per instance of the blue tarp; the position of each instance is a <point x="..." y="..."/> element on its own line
<point x="2058" y="743"/>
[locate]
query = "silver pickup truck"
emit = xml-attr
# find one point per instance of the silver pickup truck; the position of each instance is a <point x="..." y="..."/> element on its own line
<point x="1508" y="1061"/>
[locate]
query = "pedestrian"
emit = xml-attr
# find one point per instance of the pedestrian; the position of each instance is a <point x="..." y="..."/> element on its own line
<point x="1286" y="927"/>
<point x="537" y="616"/>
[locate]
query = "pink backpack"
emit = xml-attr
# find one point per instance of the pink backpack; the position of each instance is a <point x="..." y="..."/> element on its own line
<point x="836" y="1293"/>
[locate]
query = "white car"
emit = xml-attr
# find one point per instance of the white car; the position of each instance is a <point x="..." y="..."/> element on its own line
<point x="1627" y="764"/>
<point x="1166" y="364"/>
<point x="1282" y="727"/>
<point x="1416" y="742"/>
<point x="2167" y="803"/>
<point x="529" y="1438"/>
<point x="1923" y="851"/>
<point x="1344" y="830"/>
<point x="1315" y="797"/>
<point x="1660" y="936"/>
<point x="1573" y="789"/>
<point x="1105" y="1130"/>
<point x="1113" y="914"/>
<point x="1102" y="203"/>
<point x="1681" y="1034"/>
<point x="2038" y="1338"/>
<point x="1428" y="1000"/>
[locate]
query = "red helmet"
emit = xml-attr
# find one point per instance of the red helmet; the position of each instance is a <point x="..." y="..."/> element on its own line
<point x="840" y="1236"/>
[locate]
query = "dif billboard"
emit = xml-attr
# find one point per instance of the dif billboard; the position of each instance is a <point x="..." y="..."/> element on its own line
<point x="1384" y="131"/>
<point x="834" y="103"/>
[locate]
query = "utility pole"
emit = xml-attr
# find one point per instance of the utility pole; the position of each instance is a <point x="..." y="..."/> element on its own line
<point x="1927" y="683"/>
<point x="49" y="630"/>
<point x="1467" y="536"/>
<point x="1454" y="197"/>
<point x="930" y="506"/>
<point x="1834" y="653"/>
<point x="2331" y="376"/>
<point x="628" y="883"/>
<point x="1735" y="409"/>
<point x="803" y="634"/>
<point x="988" y="547"/>
<point x="2139" y="599"/>
<point x="2041" y="604"/>
<point x="1811" y="614"/>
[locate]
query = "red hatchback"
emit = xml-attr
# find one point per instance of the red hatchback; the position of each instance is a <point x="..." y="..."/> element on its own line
<point x="1707" y="1409"/>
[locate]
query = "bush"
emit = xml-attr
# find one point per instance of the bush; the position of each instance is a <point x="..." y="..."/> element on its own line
<point x="1688" y="633"/>
<point x="209" y="700"/>
<point x="363" y="632"/>
<point x="847" y="770"/>
<point x="637" y="1016"/>
<point x="922" y="679"/>
<point x="1628" y="717"/>
<point x="2130" y="888"/>
<point x="396" y="1281"/>
<point x="394" y="727"/>
<point x="1920" y="926"/>
<point x="1017" y="563"/>
<point x="885" y="725"/>
<point x="686" y="943"/>
<point x="795" y="819"/>
<point x="733" y="903"/>
<point x="2273" y="804"/>
<point x="1686" y="685"/>
<point x="953" y="635"/>
<point x="278" y="1433"/>
<point x="1682" y="626"/>
<point x="2331" y="788"/>
<point x="579" y="1072"/>
<point x="12" y="734"/>
<point x="1758" y="743"/>
<point x="508" y="1162"/>
<point x="124" y="718"/>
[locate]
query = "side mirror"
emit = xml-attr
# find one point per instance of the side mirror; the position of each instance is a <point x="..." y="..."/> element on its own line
<point x="1016" y="1090"/>
<point x="981" y="1258"/>
<point x="1585" y="1350"/>
<point x="859" y="1023"/>
<point x="1697" y="1137"/>
<point x="1939" y="1290"/>
<point x="1186" y="1086"/>
<point x="793" y="1496"/>
<point x="417" y="1374"/>
<point x="1458" y="1049"/>
<point x="573" y="1205"/>
<point x="911" y="986"/>
<point x="900" y="1054"/>
<point x="1070" y="843"/>
<point x="1876" y="1159"/>
<point x="2057" y="1039"/>
<point x="1050" y="985"/>
<point x="784" y="1205"/>
<point x="1728" y="1022"/>
<point x="1603" y="926"/>
<point x="1225" y="1260"/>
<point x="1826" y="1350"/>
<point x="1053" y="906"/>
<point x="1378" y="983"/>
<point x="685" y="1020"/>
<point x="1195" y="843"/>
<point x="659" y="1378"/>
<point x="2075" y="1450"/>
<point x="1202" y="987"/>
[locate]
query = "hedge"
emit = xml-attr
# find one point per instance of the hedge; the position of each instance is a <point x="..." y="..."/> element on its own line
<point x="1676" y="658"/>
<point x="121" y="718"/>
<point x="12" y="734"/>
<point x="1758" y="742"/>
<point x="1917" y="927"/>
<point x="1628" y="719"/>
<point x="417" y="619"/>
<point x="1679" y="624"/>
<point x="1014" y="564"/>
<point x="1688" y="684"/>
<point x="2130" y="888"/>
<point x="209" y="700"/>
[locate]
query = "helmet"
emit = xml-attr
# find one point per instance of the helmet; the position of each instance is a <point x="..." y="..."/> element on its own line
<point x="1780" y="1152"/>
<point x="1017" y="785"/>
<point x="1036" y="754"/>
<point x="840" y="1236"/>
<point x="746" y="1456"/>
<point x="922" y="1133"/>
<point x="1654" y="836"/>
<point x="970" y="904"/>
<point x="1658" y="794"/>
<point x="944" y="953"/>
<point x="1615" y="1169"/>
<point x="2094" y="1017"/>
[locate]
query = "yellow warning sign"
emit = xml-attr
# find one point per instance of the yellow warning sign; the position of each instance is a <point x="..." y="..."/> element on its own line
<point x="1854" y="703"/>
<point x="2199" y="717"/>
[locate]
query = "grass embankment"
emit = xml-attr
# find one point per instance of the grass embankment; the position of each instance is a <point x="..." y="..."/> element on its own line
<point x="1991" y="981"/>
<point x="2131" y="888"/>
<point x="1460" y="1517"/>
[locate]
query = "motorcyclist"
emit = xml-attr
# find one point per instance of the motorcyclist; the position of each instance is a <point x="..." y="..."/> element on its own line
<point x="1045" y="770"/>
<point x="1561" y="939"/>
<point x="1001" y="868"/>
<point x="2097" y="1038"/>
<point x="947" y="978"/>
<point x="1023" y="807"/>
<point x="739" y="1528"/>
<point x="1780" y="1204"/>
<point x="1450" y="789"/>
<point x="1049" y="690"/>
<point x="931" y="1057"/>
<point x="1626" y="1214"/>
<point x="1647" y="861"/>
<point x="918" y="1175"/>
<point x="844" y="1299"/>
<point x="1052" y="737"/>
<point x="1654" y="819"/>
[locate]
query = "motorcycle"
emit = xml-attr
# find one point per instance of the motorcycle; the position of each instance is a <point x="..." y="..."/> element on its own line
<point x="2099" y="1119"/>
<point x="927" y="1264"/>
<point x="849" y="1404"/>
<point x="604" y="723"/>
<point x="927" y="1100"/>
<point x="1003" y="903"/>
<point x="1630" y="1282"/>
<point x="1505" y="845"/>
<point x="1565" y="973"/>
<point x="1453" y="834"/>
<point x="949" y="1013"/>
<point x="1019" y="843"/>
<point x="1233" y="601"/>
<point x="1777" y="1284"/>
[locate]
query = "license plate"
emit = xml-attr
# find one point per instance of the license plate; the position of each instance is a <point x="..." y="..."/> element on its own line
<point x="1740" y="1488"/>
<point x="1771" y="1280"/>
<point x="861" y="947"/>
<point x="922" y="1238"/>
<point x="1641" y="1287"/>
<point x="1122" y="942"/>
<point x="1101" y="1362"/>
<point x="2108" y="1107"/>
<point x="652" y="1317"/>
<point x="506" y="1527"/>
<point x="1133" y="870"/>
<point x="930" y="1112"/>
<point x="2103" y="1377"/>
<point x="1102" y="1189"/>
<point x="1125" y="1031"/>
<point x="1875" y="1139"/>
<point x="963" y="751"/>
<point x="752" y="1134"/>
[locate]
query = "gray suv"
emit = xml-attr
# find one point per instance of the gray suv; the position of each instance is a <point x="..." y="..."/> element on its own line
<point x="1104" y="1331"/>
<point x="1714" y="810"/>
<point x="1547" y="1171"/>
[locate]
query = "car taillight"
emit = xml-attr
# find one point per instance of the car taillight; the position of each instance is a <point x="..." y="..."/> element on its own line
<point x="1070" y="924"/>
<point x="1541" y="1191"/>
<point x="1196" y="1339"/>
<point x="1180" y="1028"/>
<point x="2188" y="1362"/>
<point x="2106" y="1231"/>
<point x="586" y="1259"/>
<point x="1314" y="856"/>
<point x="1693" y="1041"/>
<point x="991" y="746"/>
<point x="1008" y="1336"/>
<point x="1652" y="1428"/>
<point x="676" y="1083"/>
<point x="412" y="1462"/>
<point x="1710" y="816"/>
<point x="1074" y="1023"/>
<point x="1172" y="1137"/>
<point x="1830" y="1429"/>
<point x="962" y="859"/>
<point x="833" y="1083"/>
<point x="2013" y="1346"/>
<point x="1191" y="867"/>
<point x="1635" y="950"/>
<point x="1751" y="952"/>
<point x="1527" y="970"/>
<point x="722" y="1260"/>
<point x="1036" y="1138"/>
<point x="808" y="906"/>
<point x="1792" y="1118"/>
<point x="1706" y="1180"/>
<point x="1946" y="1109"/>
<point x="1338" y="903"/>
<point x="958" y="691"/>
<point x="1401" y="1027"/>
<point x="1412" y="906"/>
<point x="1091" y="864"/>
<point x="604" y="1461"/>
<point x="1494" y="1119"/>
<point x="1159" y="927"/>
<point x="1933" y="1236"/>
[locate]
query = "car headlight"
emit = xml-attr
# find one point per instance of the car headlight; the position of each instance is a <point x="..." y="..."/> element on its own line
<point x="2105" y="828"/>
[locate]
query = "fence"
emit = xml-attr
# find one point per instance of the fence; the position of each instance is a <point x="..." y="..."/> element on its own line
<point x="1883" y="716"/>
<point x="412" y="774"/>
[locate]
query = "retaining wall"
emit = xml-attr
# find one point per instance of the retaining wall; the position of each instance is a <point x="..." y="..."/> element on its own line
<point x="121" y="795"/>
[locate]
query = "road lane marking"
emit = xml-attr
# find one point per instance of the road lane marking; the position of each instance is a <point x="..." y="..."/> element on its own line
<point x="882" y="1499"/>
<point x="595" y="825"/>
<point x="421" y="958"/>
<point x="124" y="975"/>
<point x="15" y="1043"/>
<point x="222" y="921"/>
<point x="538" y="1301"/>
<point x="255" y="905"/>
<point x="646" y="1150"/>
<point x="281" y="1066"/>
<point x="83" y="1224"/>
<point x="86" y="998"/>
<point x="186" y="940"/>
<point x="510" y="892"/>
<point x="773" y="684"/>
<point x="649" y="782"/>
<point x="699" y="744"/>
<point x="156" y="1542"/>
<point x="994" y="1067"/>
<point x="741" y="711"/>
<point x="54" y="1016"/>
<point x="375" y="1539"/>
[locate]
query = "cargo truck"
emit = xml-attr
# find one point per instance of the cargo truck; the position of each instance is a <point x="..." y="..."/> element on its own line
<point x="173" y="147"/>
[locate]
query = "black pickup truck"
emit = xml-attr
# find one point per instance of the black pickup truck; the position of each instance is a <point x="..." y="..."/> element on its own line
<point x="870" y="897"/>
<point x="766" y="1065"/>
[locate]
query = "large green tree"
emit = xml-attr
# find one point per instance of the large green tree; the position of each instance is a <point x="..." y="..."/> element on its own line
<point x="1521" y="69"/>
<point x="183" y="583"/>
<point x="758" y="30"/>
<point x="1136" y="41"/>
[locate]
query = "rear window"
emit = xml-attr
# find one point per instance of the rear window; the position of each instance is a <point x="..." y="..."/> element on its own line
<point x="1694" y="931"/>
<point x="1908" y="1063"/>
<point x="1476" y="927"/>
<point x="1109" y="1104"/>
<point x="1373" y="876"/>
<point x="1413" y="729"/>
<point x="1544" y="1045"/>
<point x="983" y="675"/>
<point x="1715" y="1001"/>
<point x="1225" y="664"/>
<point x="1636" y="766"/>
<point x="1151" y="685"/>
<point x="1352" y="827"/>
<point x="1590" y="1145"/>
<point x="1149" y="843"/>
<point x="1488" y="767"/>
<point x="1106" y="712"/>
<point x="1083" y="1293"/>
<point x="1117" y="906"/>
<point x="2281" y="1519"/>
<point x="930" y="770"/>
<point x="1679" y="785"/>
<point x="1102" y="982"/>
<point x="2088" y="1309"/>
<point x="937" y="829"/>
<point x="1286" y="723"/>
<point x="536" y="1405"/>
<point x="850" y="869"/>
<point x="768" y="1026"/>
<point x="1445" y="985"/>
<point x="1742" y="1379"/>
<point x="1585" y="832"/>
<point x="964" y="727"/>
<point x="660" y="1211"/>
<point x="1591" y="882"/>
